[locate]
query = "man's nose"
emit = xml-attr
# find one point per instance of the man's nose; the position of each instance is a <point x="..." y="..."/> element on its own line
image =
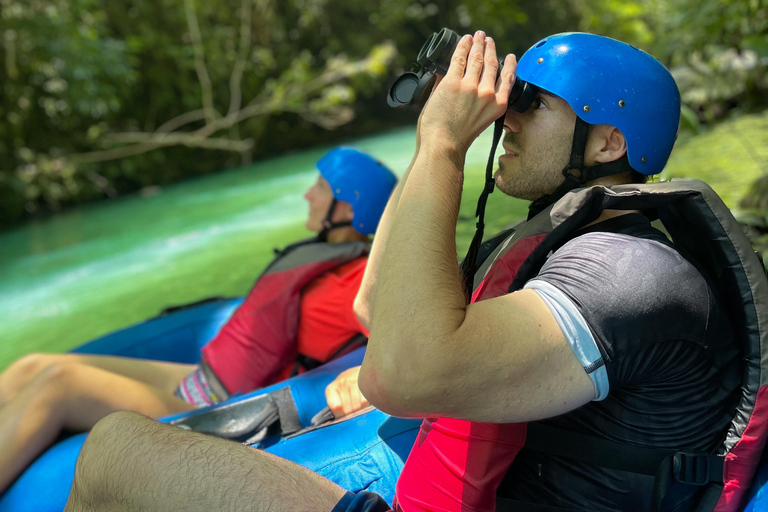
<point x="512" y="121"/>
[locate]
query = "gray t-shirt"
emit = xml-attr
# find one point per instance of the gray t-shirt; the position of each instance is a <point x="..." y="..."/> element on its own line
<point x="673" y="370"/>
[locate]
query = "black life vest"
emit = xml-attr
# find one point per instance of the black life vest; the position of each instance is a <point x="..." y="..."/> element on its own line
<point x="702" y="226"/>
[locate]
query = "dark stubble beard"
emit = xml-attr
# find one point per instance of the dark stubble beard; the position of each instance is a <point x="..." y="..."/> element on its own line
<point x="538" y="171"/>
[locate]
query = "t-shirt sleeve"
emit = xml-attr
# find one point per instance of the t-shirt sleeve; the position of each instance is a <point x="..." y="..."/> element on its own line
<point x="576" y="332"/>
<point x="634" y="294"/>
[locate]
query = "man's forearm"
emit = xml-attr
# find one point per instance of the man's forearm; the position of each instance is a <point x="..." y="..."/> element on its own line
<point x="366" y="296"/>
<point x="419" y="300"/>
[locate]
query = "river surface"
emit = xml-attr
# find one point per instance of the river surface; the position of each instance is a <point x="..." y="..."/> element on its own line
<point x="80" y="274"/>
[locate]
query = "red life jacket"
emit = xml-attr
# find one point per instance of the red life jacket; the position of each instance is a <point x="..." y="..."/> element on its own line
<point x="259" y="341"/>
<point x="700" y="224"/>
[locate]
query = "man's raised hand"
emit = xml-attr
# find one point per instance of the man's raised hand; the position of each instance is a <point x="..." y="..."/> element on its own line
<point x="470" y="97"/>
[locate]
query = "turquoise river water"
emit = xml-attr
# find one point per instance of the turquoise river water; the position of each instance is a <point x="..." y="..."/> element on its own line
<point x="86" y="272"/>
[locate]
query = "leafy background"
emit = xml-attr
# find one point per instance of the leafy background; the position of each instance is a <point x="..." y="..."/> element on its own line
<point x="102" y="98"/>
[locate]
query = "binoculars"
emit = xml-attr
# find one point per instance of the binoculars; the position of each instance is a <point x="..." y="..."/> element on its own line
<point x="414" y="87"/>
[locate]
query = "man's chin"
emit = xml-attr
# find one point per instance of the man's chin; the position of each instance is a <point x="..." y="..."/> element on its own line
<point x="515" y="190"/>
<point x="504" y="186"/>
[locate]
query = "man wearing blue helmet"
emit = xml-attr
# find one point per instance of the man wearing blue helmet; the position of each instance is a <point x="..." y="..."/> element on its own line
<point x="584" y="334"/>
<point x="586" y="322"/>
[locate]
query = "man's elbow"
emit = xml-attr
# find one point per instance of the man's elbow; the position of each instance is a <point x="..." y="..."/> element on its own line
<point x="379" y="393"/>
<point x="398" y="391"/>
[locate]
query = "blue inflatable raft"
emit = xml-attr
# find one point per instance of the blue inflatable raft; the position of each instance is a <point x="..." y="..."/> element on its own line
<point x="366" y="451"/>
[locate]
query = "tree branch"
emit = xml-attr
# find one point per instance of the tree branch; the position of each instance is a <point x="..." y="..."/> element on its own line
<point x="179" y="121"/>
<point x="295" y="99"/>
<point x="145" y="142"/>
<point x="200" y="68"/>
<point x="235" y="96"/>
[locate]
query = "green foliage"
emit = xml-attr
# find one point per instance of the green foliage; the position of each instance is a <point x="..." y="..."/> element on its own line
<point x="753" y="215"/>
<point x="728" y="156"/>
<point x="717" y="49"/>
<point x="88" y="87"/>
<point x="104" y="98"/>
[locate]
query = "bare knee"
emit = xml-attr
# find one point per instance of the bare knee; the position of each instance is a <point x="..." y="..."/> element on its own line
<point x="112" y="434"/>
<point x="23" y="371"/>
<point x="98" y="477"/>
<point x="31" y="364"/>
<point x="53" y="384"/>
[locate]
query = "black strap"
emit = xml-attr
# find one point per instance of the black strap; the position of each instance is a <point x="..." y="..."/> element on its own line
<point x="576" y="162"/>
<point x="288" y="414"/>
<point x="508" y="505"/>
<point x="329" y="225"/>
<point x="593" y="450"/>
<point x="678" y="475"/>
<point x="173" y="309"/>
<point x="469" y="265"/>
<point x="310" y="363"/>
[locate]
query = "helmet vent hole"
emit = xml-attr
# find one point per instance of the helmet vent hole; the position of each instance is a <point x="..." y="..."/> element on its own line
<point x="541" y="44"/>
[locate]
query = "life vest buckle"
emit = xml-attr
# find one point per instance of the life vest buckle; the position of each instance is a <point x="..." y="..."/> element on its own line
<point x="697" y="468"/>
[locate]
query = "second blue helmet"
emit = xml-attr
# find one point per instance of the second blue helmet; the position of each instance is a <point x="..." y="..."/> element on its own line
<point x="361" y="181"/>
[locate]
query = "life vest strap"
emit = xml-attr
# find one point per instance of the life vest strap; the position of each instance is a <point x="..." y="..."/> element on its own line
<point x="469" y="265"/>
<point x="677" y="473"/>
<point x="508" y="505"/>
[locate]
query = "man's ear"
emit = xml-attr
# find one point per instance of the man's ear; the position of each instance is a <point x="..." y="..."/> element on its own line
<point x="605" y="144"/>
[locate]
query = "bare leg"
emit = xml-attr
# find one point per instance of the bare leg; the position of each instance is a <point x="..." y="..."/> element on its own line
<point x="159" y="374"/>
<point x="73" y="397"/>
<point x="132" y="463"/>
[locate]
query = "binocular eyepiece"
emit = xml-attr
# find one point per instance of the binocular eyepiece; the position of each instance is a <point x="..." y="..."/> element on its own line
<point x="414" y="87"/>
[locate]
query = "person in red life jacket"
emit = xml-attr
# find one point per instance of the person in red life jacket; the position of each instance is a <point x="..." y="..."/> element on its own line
<point x="618" y="337"/>
<point x="298" y="314"/>
<point x="586" y="319"/>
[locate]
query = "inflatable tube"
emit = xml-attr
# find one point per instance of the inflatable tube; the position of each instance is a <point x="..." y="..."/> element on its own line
<point x="176" y="335"/>
<point x="364" y="452"/>
<point x="45" y="485"/>
<point x="758" y="494"/>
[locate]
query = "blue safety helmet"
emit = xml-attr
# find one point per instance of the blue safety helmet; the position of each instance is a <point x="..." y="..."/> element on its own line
<point x="609" y="82"/>
<point x="361" y="181"/>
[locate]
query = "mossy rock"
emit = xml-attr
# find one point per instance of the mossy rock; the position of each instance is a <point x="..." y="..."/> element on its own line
<point x="753" y="215"/>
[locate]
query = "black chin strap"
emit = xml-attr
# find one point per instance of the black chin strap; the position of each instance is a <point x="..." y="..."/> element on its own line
<point x="329" y="225"/>
<point x="587" y="174"/>
<point x="468" y="266"/>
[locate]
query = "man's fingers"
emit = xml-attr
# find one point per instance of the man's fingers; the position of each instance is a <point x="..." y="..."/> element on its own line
<point x="476" y="57"/>
<point x="459" y="59"/>
<point x="507" y="78"/>
<point x="490" y="66"/>
<point x="334" y="402"/>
